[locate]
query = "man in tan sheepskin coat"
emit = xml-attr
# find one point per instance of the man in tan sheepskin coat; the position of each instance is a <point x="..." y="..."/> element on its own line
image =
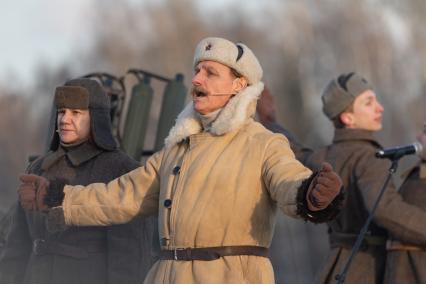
<point x="216" y="185"/>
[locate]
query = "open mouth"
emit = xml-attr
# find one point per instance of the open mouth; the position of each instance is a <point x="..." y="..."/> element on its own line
<point x="200" y="94"/>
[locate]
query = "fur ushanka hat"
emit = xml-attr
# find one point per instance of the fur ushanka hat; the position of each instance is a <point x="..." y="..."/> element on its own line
<point x="234" y="55"/>
<point x="83" y="93"/>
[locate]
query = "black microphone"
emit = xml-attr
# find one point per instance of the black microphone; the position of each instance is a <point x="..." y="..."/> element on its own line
<point x="399" y="151"/>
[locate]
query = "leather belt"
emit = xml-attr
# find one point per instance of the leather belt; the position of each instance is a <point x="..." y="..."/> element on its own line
<point x="392" y="245"/>
<point x="43" y="247"/>
<point x="212" y="253"/>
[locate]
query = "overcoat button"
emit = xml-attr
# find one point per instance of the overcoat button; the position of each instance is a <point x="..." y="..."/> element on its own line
<point x="168" y="203"/>
<point x="176" y="170"/>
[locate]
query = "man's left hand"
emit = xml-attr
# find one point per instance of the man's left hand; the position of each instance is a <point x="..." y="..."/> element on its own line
<point x="323" y="188"/>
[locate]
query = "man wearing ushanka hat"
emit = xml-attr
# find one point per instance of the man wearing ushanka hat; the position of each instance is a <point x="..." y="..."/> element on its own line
<point x="216" y="185"/>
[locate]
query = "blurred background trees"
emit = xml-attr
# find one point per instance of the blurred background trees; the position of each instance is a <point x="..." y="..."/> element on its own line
<point x="301" y="45"/>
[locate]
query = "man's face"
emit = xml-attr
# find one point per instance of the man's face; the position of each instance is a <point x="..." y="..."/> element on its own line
<point x="366" y="113"/>
<point x="73" y="125"/>
<point x="212" y="78"/>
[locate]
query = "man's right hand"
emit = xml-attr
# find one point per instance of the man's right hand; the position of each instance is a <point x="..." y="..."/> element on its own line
<point x="32" y="191"/>
<point x="324" y="188"/>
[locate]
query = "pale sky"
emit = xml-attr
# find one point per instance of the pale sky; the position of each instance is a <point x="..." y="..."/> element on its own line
<point x="35" y="31"/>
<point x="46" y="31"/>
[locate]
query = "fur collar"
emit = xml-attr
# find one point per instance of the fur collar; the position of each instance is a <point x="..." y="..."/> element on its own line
<point x="232" y="116"/>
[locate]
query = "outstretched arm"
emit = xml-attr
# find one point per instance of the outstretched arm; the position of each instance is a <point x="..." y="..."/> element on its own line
<point x="119" y="201"/>
<point x="298" y="192"/>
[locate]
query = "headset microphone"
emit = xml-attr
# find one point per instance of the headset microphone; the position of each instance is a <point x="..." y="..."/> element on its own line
<point x="219" y="95"/>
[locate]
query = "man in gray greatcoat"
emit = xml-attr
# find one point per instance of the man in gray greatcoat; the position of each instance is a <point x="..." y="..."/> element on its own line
<point x="82" y="151"/>
<point x="351" y="105"/>
<point x="406" y="261"/>
<point x="350" y="102"/>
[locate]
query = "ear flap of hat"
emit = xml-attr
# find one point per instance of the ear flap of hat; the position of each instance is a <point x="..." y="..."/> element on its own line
<point x="54" y="136"/>
<point x="101" y="129"/>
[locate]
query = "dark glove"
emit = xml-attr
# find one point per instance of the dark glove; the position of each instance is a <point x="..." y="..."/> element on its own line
<point x="27" y="194"/>
<point x="323" y="189"/>
<point x="32" y="192"/>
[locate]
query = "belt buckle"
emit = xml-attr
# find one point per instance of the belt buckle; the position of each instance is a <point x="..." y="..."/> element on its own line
<point x="39" y="245"/>
<point x="176" y="255"/>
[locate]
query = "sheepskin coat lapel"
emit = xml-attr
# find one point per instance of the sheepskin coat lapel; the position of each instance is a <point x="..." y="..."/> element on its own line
<point x="232" y="116"/>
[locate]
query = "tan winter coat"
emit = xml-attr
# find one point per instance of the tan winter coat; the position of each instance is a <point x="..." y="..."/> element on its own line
<point x="225" y="187"/>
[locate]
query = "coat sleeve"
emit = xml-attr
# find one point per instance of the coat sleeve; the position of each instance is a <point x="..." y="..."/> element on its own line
<point x="117" y="202"/>
<point x="302" y="152"/>
<point x="283" y="174"/>
<point x="14" y="256"/>
<point x="403" y="220"/>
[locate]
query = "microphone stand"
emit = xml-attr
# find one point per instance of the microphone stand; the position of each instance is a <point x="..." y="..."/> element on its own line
<point x="340" y="278"/>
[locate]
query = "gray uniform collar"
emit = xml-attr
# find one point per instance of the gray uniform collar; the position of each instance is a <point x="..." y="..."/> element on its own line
<point x="76" y="155"/>
<point x="346" y="134"/>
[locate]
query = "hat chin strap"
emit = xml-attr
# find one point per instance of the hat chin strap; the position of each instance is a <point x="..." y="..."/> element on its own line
<point x="232" y="115"/>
